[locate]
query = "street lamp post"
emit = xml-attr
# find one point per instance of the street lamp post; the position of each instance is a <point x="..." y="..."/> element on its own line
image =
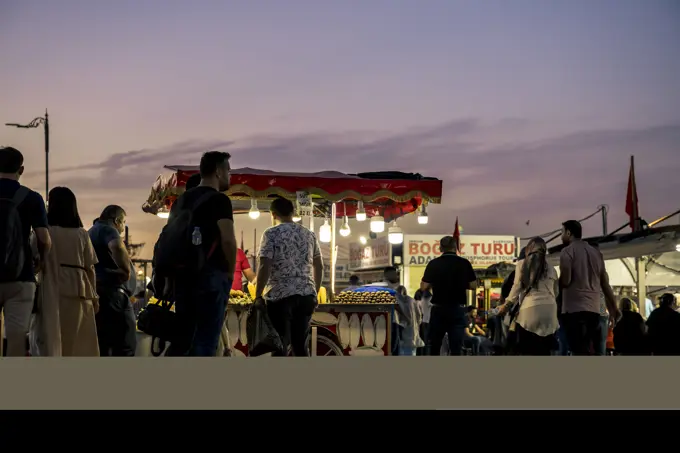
<point x="46" y="126"/>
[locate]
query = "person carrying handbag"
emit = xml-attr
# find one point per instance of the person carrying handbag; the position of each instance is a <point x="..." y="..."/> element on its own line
<point x="533" y="317"/>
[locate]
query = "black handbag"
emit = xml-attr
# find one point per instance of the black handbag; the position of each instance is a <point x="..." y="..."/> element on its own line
<point x="160" y="323"/>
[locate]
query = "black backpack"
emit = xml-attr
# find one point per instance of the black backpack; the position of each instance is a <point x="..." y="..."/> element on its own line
<point x="175" y="255"/>
<point x="12" y="246"/>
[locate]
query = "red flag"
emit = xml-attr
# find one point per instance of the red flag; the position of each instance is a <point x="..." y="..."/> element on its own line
<point x="631" y="197"/>
<point x="456" y="236"/>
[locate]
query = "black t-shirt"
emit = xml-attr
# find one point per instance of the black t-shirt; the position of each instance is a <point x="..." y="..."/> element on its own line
<point x="471" y="323"/>
<point x="101" y="235"/>
<point x="33" y="215"/>
<point x="450" y="277"/>
<point x="664" y="331"/>
<point x="217" y="207"/>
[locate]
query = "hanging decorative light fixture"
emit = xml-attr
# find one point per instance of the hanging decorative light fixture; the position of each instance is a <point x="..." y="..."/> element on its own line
<point x="325" y="232"/>
<point x="254" y="213"/>
<point x="345" y="229"/>
<point x="363" y="240"/>
<point x="361" y="212"/>
<point x="377" y="224"/>
<point x="422" y="215"/>
<point x="395" y="235"/>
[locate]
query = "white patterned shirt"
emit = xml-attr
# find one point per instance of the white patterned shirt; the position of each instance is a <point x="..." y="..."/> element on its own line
<point x="291" y="248"/>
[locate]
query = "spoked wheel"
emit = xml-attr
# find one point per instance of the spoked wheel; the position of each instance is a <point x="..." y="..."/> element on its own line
<point x="325" y="347"/>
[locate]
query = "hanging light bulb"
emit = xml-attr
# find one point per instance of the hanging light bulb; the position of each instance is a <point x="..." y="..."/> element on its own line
<point x="254" y="213"/>
<point x="377" y="224"/>
<point x="395" y="235"/>
<point x="422" y="215"/>
<point x="344" y="229"/>
<point x="325" y="232"/>
<point x="361" y="213"/>
<point x="297" y="217"/>
<point x="363" y="240"/>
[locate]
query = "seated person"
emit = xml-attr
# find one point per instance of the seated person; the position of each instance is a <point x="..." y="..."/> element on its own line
<point x="475" y="337"/>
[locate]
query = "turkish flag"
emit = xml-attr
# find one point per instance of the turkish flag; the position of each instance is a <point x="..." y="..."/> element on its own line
<point x="456" y="236"/>
<point x="631" y="197"/>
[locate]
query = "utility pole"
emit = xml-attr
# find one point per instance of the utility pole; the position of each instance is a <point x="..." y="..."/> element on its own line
<point x="604" y="209"/>
<point x="45" y="121"/>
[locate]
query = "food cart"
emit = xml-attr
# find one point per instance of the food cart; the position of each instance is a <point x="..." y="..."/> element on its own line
<point x="342" y="325"/>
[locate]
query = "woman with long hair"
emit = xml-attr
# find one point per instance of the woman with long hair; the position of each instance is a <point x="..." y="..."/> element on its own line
<point x="533" y="297"/>
<point x="69" y="297"/>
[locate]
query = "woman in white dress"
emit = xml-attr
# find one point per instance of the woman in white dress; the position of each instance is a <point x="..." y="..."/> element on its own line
<point x="535" y="288"/>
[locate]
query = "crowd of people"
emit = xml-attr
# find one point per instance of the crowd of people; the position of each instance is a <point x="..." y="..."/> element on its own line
<point x="71" y="287"/>
<point x="542" y="313"/>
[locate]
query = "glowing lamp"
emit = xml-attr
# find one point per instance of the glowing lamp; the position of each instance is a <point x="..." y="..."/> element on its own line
<point x="395" y="235"/>
<point x="254" y="213"/>
<point x="377" y="224"/>
<point x="325" y="232"/>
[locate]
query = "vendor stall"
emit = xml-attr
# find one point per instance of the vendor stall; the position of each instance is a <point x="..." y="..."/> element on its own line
<point x="344" y="324"/>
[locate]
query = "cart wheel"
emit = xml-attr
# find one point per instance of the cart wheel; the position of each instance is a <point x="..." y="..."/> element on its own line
<point x="325" y="346"/>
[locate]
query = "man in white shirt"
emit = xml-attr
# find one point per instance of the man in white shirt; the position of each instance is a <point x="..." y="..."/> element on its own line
<point x="289" y="276"/>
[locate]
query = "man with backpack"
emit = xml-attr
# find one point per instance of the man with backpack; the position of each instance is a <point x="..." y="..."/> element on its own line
<point x="21" y="210"/>
<point x="195" y="257"/>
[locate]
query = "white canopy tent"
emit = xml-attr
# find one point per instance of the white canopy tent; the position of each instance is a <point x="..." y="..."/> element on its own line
<point x="641" y="260"/>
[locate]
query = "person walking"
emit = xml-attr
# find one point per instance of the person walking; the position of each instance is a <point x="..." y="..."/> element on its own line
<point x="583" y="278"/>
<point x="21" y="210"/>
<point x="289" y="276"/>
<point x="448" y="278"/>
<point x="68" y="299"/>
<point x="533" y="296"/>
<point x="116" y="324"/>
<point x="201" y="299"/>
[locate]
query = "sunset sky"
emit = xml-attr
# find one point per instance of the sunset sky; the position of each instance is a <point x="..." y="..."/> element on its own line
<point x="528" y="110"/>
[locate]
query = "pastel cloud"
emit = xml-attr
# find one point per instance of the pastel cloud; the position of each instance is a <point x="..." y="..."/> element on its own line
<point x="492" y="182"/>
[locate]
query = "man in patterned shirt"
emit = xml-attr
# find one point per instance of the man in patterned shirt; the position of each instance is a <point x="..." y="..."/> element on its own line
<point x="289" y="276"/>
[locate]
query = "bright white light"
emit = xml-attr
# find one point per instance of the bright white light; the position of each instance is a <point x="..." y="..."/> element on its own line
<point x="422" y="215"/>
<point x="363" y="240"/>
<point x="254" y="213"/>
<point x="163" y="214"/>
<point x="377" y="224"/>
<point x="325" y="233"/>
<point x="361" y="213"/>
<point x="297" y="218"/>
<point x="677" y="248"/>
<point x="395" y="235"/>
<point x="344" y="229"/>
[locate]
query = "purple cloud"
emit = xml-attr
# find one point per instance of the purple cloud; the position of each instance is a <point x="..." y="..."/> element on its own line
<point x="493" y="184"/>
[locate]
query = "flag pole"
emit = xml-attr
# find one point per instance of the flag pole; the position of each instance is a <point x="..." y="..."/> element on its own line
<point x="636" y="214"/>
